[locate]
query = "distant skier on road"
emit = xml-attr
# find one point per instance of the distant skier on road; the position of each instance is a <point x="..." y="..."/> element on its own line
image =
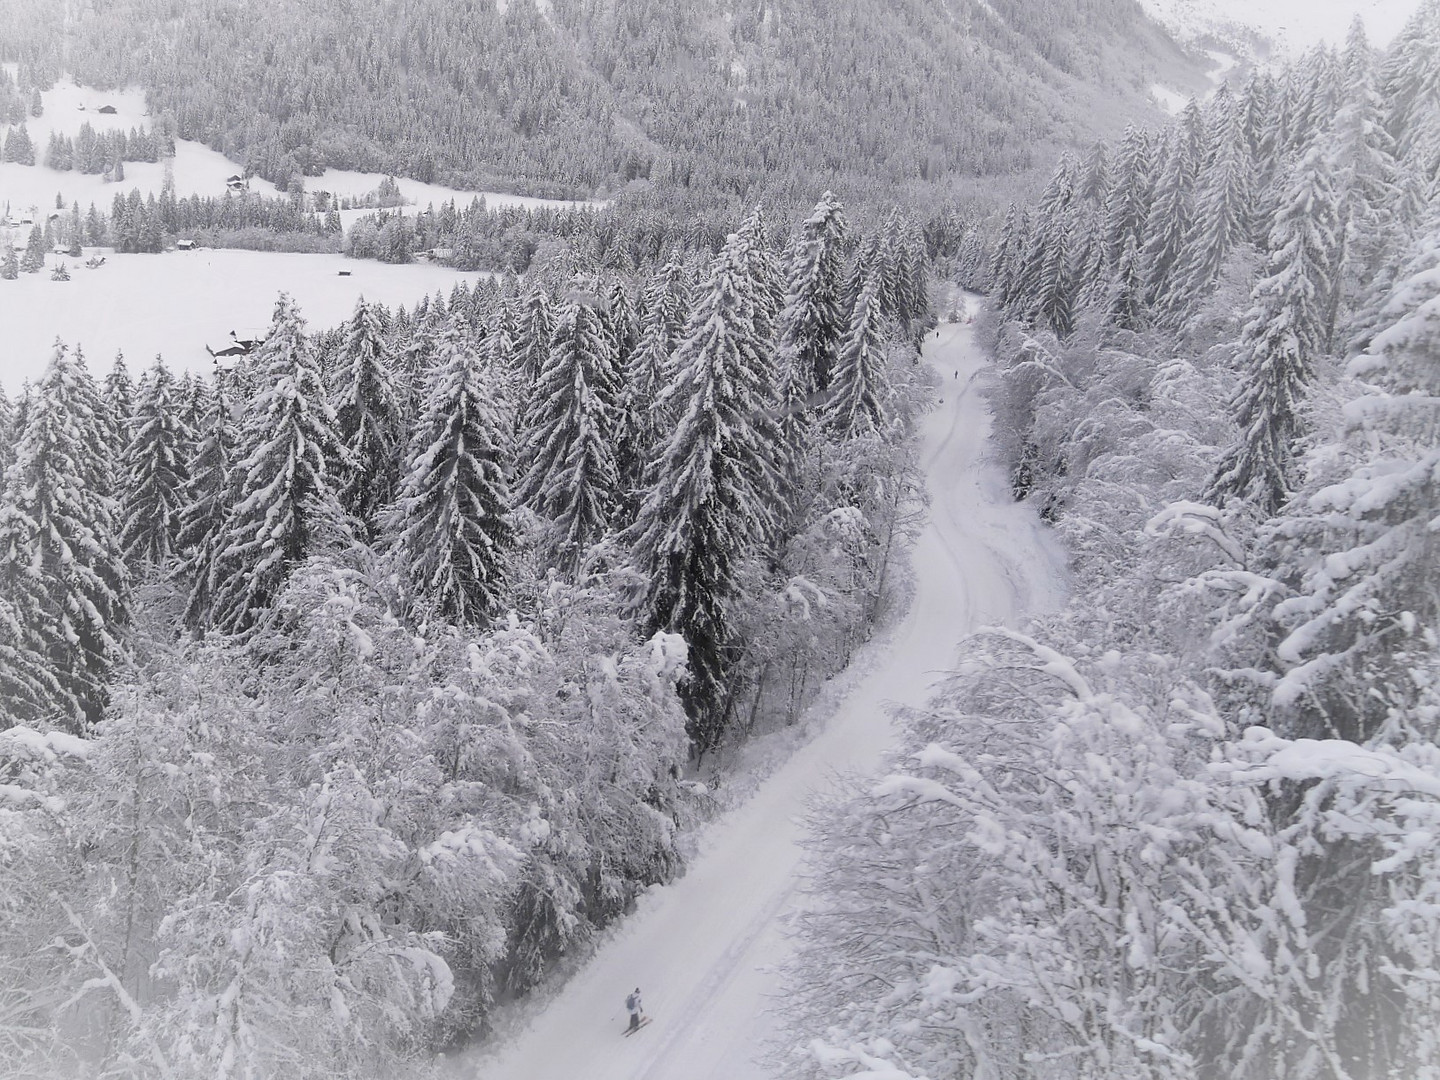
<point x="633" y="1004"/>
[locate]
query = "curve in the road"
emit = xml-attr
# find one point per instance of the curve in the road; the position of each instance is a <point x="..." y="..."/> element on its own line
<point x="704" y="949"/>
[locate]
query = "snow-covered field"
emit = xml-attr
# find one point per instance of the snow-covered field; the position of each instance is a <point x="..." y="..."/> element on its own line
<point x="1292" y="25"/>
<point x="195" y="169"/>
<point x="176" y="303"/>
<point x="704" y="949"/>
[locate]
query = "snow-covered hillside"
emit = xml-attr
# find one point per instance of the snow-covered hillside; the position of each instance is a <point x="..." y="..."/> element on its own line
<point x="704" y="950"/>
<point x="195" y="169"/>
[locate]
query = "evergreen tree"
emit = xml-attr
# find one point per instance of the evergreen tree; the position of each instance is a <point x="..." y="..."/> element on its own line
<point x="33" y="261"/>
<point x="1094" y="183"/>
<point x="155" y="473"/>
<point x="283" y="492"/>
<point x="854" y="406"/>
<point x="1222" y="216"/>
<point x="572" y="479"/>
<point x="532" y="335"/>
<point x="416" y="348"/>
<point x="1170" y="214"/>
<point x="205" y="505"/>
<point x="1045" y="283"/>
<point x="451" y="521"/>
<point x="712" y="501"/>
<point x="811" y="320"/>
<point x="1363" y="162"/>
<point x="58" y="540"/>
<point x="1004" y="270"/>
<point x="9" y="258"/>
<point x="1376" y="523"/>
<point x="18" y="147"/>
<point x="1284" y="334"/>
<point x="762" y="272"/>
<point x="621" y="322"/>
<point x="368" y="418"/>
<point x="643" y="423"/>
<point x="1125" y="307"/>
<point x="8" y="434"/>
<point x="119" y="407"/>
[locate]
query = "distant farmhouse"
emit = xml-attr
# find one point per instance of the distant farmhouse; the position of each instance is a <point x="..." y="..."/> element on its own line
<point x="108" y="110"/>
<point x="236" y="182"/>
<point x="237" y="344"/>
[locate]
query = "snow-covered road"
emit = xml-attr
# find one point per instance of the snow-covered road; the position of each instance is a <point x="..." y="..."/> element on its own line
<point x="704" y="949"/>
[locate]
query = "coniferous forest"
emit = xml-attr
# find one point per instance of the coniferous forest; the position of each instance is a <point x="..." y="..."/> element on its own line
<point x="349" y="690"/>
<point x="1184" y="828"/>
<point x="353" y="693"/>
<point x="706" y="99"/>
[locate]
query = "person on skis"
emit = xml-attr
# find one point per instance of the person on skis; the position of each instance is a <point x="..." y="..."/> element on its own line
<point x="633" y="1004"/>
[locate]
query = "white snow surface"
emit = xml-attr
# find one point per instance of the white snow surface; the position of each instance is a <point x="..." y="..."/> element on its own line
<point x="176" y="303"/>
<point x="705" y="949"/>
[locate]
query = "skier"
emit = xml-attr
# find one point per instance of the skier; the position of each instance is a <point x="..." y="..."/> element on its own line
<point x="633" y="1004"/>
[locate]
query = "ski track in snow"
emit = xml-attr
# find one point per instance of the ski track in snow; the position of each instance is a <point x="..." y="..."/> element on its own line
<point x="705" y="949"/>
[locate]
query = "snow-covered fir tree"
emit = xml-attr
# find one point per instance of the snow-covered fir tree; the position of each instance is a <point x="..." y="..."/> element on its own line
<point x="854" y="403"/>
<point x="571" y="478"/>
<point x="643" y="423"/>
<point x="1170" y="213"/>
<point x="206" y="503"/>
<point x="283" y="503"/>
<point x="451" y="523"/>
<point x="714" y="486"/>
<point x="1222" y="214"/>
<point x="118" y="397"/>
<point x="811" y="322"/>
<point x="155" y="472"/>
<point x="368" y="415"/>
<point x="63" y="567"/>
<point x="1284" y="335"/>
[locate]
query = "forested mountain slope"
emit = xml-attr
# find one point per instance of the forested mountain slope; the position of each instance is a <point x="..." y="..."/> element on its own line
<point x="575" y="96"/>
<point x="1185" y="829"/>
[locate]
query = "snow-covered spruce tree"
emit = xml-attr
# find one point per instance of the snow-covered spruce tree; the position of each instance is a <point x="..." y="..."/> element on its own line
<point x="644" y="425"/>
<point x="283" y="495"/>
<point x="621" y="321"/>
<point x="1284" y="335"/>
<point x="854" y="405"/>
<point x="206" y="504"/>
<point x="1221" y="218"/>
<point x="451" y="521"/>
<point x="903" y="279"/>
<point x="762" y="270"/>
<point x="1362" y="159"/>
<point x="368" y="418"/>
<point x="571" y="479"/>
<point x="811" y="321"/>
<point x="532" y="335"/>
<point x="712" y="497"/>
<point x="1044" y="291"/>
<point x="1003" y="270"/>
<point x="118" y="398"/>
<point x="1362" y="623"/>
<point x="155" y="472"/>
<point x="59" y="541"/>
<point x="1170" y="214"/>
<point x="8" y="433"/>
